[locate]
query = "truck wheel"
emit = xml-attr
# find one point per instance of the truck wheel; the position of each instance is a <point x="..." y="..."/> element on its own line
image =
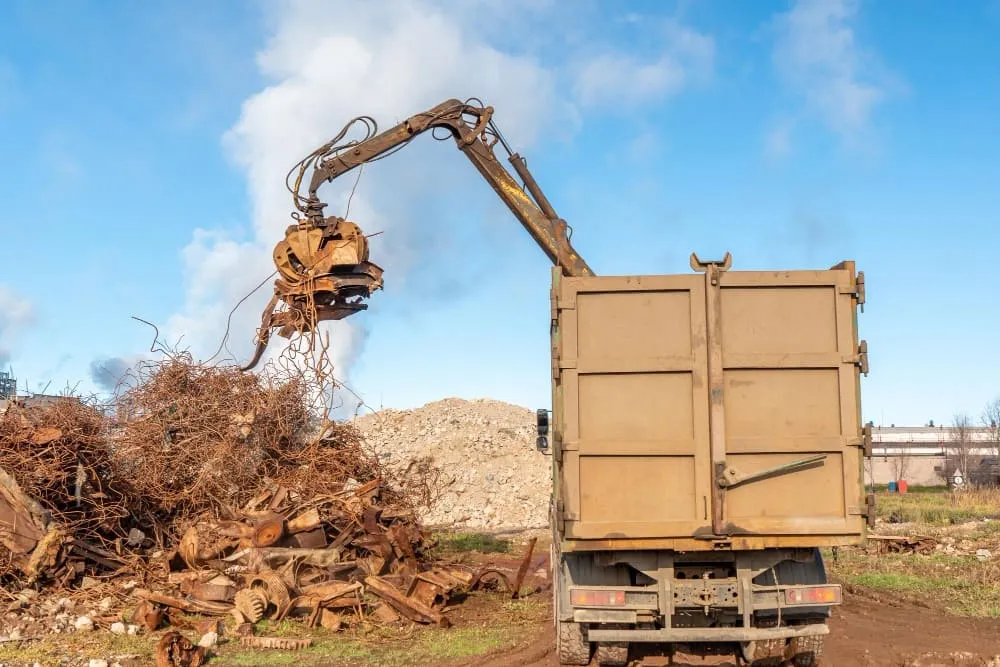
<point x="768" y="653"/>
<point x="612" y="653"/>
<point x="574" y="649"/>
<point x="806" y="651"/>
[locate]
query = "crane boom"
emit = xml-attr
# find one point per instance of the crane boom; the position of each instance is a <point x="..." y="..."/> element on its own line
<point x="323" y="261"/>
<point x="534" y="212"/>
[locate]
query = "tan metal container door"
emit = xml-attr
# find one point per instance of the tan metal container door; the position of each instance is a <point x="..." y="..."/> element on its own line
<point x="631" y="406"/>
<point x="790" y="374"/>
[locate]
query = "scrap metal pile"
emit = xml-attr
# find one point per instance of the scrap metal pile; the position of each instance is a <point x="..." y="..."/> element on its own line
<point x="207" y="490"/>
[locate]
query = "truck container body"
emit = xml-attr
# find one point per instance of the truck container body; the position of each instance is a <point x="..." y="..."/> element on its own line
<point x="707" y="442"/>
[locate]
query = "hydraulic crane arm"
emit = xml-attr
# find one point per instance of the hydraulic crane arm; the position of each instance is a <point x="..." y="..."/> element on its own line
<point x="323" y="261"/>
<point x="471" y="127"/>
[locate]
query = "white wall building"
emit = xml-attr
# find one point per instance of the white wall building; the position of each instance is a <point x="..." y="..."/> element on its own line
<point x="921" y="451"/>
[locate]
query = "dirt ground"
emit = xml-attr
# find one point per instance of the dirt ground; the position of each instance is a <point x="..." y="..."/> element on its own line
<point x="871" y="629"/>
<point x="864" y="632"/>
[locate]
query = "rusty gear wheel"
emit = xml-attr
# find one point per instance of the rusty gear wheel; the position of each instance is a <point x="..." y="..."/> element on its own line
<point x="279" y="643"/>
<point x="252" y="603"/>
<point x="274" y="589"/>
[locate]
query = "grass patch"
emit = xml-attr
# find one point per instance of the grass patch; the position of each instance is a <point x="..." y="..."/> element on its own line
<point x="897" y="581"/>
<point x="452" y="543"/>
<point x="504" y="622"/>
<point x="99" y="644"/>
<point x="912" y="488"/>
<point x="938" y="508"/>
<point x="959" y="584"/>
<point x="509" y="622"/>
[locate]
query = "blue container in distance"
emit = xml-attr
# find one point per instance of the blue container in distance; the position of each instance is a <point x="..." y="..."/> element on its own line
<point x="892" y="487"/>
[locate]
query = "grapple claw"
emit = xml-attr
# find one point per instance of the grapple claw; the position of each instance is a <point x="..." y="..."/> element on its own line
<point x="324" y="275"/>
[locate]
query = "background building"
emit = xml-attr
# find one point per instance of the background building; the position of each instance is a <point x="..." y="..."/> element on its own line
<point x="928" y="455"/>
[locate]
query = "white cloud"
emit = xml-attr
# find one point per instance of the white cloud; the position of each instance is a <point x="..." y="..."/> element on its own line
<point x="16" y="315"/>
<point x="817" y="54"/>
<point x="328" y="62"/>
<point x="623" y="80"/>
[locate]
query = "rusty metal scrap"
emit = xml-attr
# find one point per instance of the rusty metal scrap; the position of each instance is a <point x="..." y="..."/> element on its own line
<point x="212" y="587"/>
<point x="277" y="643"/>
<point x="491" y="578"/>
<point x="268" y="530"/>
<point x="175" y="650"/>
<point x="148" y="615"/>
<point x="252" y="603"/>
<point x="184" y="604"/>
<point x="308" y="521"/>
<point x="413" y="609"/>
<point x="435" y="587"/>
<point x="902" y="544"/>
<point x="273" y="587"/>
<point x="24" y="525"/>
<point x="523" y="569"/>
<point x="287" y="525"/>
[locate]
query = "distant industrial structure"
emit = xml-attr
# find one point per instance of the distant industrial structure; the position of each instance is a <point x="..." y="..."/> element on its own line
<point x="8" y="386"/>
<point x="9" y="395"/>
<point x="923" y="455"/>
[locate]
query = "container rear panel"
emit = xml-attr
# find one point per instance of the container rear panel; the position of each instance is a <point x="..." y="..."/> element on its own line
<point x="633" y="392"/>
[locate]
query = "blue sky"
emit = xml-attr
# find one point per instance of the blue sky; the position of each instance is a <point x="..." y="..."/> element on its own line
<point x="146" y="148"/>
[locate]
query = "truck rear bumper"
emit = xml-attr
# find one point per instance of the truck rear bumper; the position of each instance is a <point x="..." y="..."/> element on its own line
<point x="699" y="635"/>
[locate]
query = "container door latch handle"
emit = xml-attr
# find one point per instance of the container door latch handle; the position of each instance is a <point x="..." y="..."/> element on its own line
<point x="731" y="477"/>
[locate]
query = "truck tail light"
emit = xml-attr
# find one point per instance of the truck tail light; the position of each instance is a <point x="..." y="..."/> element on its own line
<point x="592" y="598"/>
<point x="813" y="595"/>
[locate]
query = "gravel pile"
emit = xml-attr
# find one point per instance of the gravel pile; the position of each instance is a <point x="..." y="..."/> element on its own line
<point x="491" y="475"/>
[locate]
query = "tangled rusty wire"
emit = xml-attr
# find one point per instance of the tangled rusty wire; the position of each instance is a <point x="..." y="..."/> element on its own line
<point x="58" y="454"/>
<point x="181" y="440"/>
<point x="192" y="439"/>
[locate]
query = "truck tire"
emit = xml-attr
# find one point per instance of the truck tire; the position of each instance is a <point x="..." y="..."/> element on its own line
<point x="768" y="653"/>
<point x="574" y="649"/>
<point x="612" y="653"/>
<point x="806" y="651"/>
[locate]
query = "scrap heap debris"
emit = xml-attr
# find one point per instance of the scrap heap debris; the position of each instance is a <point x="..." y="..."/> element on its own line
<point x="920" y="544"/>
<point x="205" y="490"/>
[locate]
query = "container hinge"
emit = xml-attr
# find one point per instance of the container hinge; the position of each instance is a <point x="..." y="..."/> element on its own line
<point x="560" y="516"/>
<point x="861" y="360"/>
<point x="866" y="440"/>
<point x="867" y="511"/>
<point x="859" y="288"/>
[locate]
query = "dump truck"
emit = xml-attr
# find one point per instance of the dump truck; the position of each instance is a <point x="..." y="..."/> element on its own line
<point x="707" y="444"/>
<point x="705" y="429"/>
